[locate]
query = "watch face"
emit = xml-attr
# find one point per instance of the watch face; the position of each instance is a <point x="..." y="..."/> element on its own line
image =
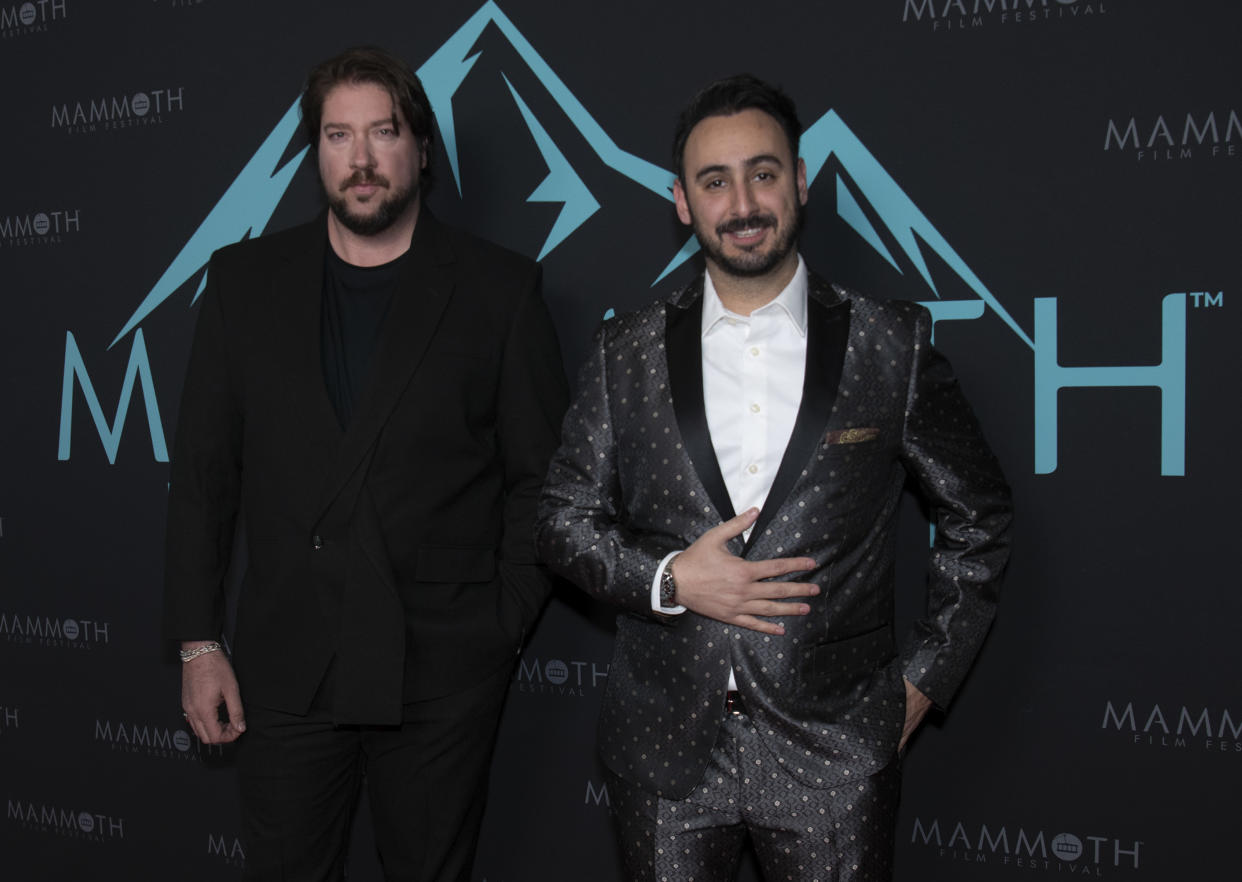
<point x="668" y="589"/>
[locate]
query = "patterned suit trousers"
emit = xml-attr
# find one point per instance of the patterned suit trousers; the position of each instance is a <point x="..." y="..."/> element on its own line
<point x="842" y="833"/>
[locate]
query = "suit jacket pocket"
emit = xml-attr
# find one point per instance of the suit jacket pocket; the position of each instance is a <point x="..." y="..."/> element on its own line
<point x="860" y="464"/>
<point x="841" y="664"/>
<point x="447" y="563"/>
<point x="851" y="436"/>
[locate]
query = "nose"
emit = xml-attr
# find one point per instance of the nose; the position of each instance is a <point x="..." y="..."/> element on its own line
<point x="360" y="155"/>
<point x="743" y="199"/>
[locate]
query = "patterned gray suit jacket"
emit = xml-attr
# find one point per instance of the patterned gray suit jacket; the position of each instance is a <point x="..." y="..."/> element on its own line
<point x="636" y="477"/>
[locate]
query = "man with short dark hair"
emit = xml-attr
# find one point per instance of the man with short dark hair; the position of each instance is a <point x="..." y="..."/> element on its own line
<point x="729" y="477"/>
<point x="376" y="396"/>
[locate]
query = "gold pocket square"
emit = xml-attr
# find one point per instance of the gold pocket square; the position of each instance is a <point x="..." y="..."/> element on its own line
<point x="851" y="436"/>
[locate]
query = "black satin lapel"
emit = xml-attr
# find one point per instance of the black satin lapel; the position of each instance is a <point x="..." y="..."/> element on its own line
<point x="423" y="291"/>
<point x="297" y="288"/>
<point x="683" y="347"/>
<point x="827" y="331"/>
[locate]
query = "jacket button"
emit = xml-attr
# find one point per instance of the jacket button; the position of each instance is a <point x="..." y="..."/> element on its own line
<point x="316" y="542"/>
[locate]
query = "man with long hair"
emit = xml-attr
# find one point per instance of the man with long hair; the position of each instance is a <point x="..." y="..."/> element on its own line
<point x="376" y="396"/>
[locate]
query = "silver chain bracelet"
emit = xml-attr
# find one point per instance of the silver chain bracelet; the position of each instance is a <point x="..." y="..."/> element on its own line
<point x="191" y="654"/>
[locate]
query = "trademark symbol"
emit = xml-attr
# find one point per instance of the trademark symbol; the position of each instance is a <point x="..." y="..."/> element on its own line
<point x="1206" y="299"/>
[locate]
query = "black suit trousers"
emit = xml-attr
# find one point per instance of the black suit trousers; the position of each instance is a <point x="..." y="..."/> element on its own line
<point x="301" y="777"/>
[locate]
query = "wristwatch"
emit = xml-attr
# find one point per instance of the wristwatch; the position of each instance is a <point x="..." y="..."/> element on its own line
<point x="668" y="585"/>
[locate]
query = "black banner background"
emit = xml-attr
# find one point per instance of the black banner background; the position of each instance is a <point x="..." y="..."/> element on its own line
<point x="1105" y="709"/>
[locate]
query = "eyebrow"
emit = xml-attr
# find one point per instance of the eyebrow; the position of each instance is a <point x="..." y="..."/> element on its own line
<point x="386" y="121"/>
<point x="751" y="162"/>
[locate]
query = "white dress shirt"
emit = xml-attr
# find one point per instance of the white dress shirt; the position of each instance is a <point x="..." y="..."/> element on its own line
<point x="753" y="367"/>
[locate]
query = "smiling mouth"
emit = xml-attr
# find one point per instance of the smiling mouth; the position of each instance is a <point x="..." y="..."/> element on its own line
<point x="747" y="238"/>
<point x="744" y="230"/>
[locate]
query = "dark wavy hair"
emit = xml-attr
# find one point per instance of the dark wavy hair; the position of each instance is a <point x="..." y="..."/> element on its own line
<point x="370" y="64"/>
<point x="733" y="95"/>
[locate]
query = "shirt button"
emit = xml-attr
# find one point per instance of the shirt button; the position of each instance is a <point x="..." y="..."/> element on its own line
<point x="754" y="408"/>
<point x="754" y="350"/>
<point x="316" y="542"/>
<point x="753" y="469"/>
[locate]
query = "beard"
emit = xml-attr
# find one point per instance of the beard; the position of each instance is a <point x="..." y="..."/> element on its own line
<point x="390" y="207"/>
<point x="750" y="263"/>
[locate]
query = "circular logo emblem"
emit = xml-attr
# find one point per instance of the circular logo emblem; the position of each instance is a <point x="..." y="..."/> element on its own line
<point x="86" y="822"/>
<point x="1067" y="846"/>
<point x="140" y="103"/>
<point x="181" y="740"/>
<point x="42" y="224"/>
<point x="27" y="14"/>
<point x="69" y="628"/>
<point x="556" y="671"/>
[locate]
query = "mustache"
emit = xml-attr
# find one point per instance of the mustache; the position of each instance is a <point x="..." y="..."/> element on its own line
<point x="364" y="176"/>
<point x="750" y="222"/>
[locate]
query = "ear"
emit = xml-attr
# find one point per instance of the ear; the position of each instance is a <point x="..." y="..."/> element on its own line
<point x="426" y="147"/>
<point x="679" y="199"/>
<point x="801" y="178"/>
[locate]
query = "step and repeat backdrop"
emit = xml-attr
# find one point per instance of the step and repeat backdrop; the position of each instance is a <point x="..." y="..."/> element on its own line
<point x="1058" y="180"/>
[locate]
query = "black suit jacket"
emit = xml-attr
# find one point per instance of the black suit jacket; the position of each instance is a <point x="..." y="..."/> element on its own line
<point x="636" y="477"/>
<point x="401" y="548"/>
